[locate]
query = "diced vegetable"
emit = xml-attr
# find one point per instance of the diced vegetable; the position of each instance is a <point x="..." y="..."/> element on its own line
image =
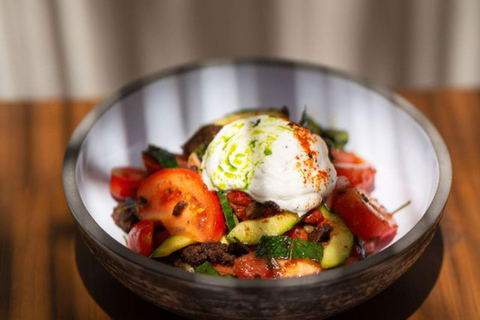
<point x="297" y="232"/>
<point x="250" y="231"/>
<point x="340" y="244"/>
<point x="283" y="247"/>
<point x="125" y="181"/>
<point x="161" y="156"/>
<point x="206" y="268"/>
<point x="230" y="218"/>
<point x="182" y="203"/>
<point x="170" y="245"/>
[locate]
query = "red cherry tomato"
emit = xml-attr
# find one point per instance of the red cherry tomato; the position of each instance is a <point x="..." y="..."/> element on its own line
<point x="366" y="219"/>
<point x="358" y="172"/>
<point x="250" y="267"/>
<point x="297" y="232"/>
<point x="125" y="181"/>
<point x="140" y="238"/>
<point x="180" y="200"/>
<point x="239" y="202"/>
<point x="314" y="217"/>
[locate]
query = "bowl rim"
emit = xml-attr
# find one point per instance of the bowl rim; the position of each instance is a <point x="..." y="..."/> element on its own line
<point x="85" y="221"/>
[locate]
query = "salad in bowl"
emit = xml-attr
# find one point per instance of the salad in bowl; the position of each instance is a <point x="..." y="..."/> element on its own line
<point x="254" y="195"/>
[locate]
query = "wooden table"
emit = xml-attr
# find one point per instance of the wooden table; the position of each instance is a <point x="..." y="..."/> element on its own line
<point x="46" y="272"/>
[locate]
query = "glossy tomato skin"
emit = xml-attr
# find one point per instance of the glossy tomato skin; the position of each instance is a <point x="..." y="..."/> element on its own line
<point x="359" y="172"/>
<point x="239" y="202"/>
<point x="251" y="267"/>
<point x="140" y="238"/>
<point x="314" y="217"/>
<point x="297" y="232"/>
<point x="367" y="221"/>
<point x="200" y="217"/>
<point x="125" y="181"/>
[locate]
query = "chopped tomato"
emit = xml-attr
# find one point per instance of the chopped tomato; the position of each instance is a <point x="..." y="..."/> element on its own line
<point x="239" y="202"/>
<point x="180" y="200"/>
<point x="314" y="217"/>
<point x="250" y="267"/>
<point x="341" y="156"/>
<point x="366" y="219"/>
<point x="125" y="181"/>
<point x="160" y="236"/>
<point x="153" y="165"/>
<point x="359" y="175"/>
<point x="359" y="172"/>
<point x="223" y="269"/>
<point x="140" y="238"/>
<point x="297" y="232"/>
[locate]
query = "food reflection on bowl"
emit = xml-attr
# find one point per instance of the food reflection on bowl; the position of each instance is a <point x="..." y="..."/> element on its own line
<point x="164" y="109"/>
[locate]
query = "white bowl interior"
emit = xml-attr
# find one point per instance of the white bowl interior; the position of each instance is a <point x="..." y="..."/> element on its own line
<point x="167" y="111"/>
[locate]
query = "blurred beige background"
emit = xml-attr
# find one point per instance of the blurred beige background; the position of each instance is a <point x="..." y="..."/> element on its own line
<point x="87" y="48"/>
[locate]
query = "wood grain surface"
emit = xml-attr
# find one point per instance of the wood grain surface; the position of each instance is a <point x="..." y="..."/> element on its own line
<point x="46" y="272"/>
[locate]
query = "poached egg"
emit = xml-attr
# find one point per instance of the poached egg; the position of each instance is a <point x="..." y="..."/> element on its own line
<point x="271" y="159"/>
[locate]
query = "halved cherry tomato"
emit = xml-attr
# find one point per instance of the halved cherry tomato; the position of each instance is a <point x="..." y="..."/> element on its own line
<point x="359" y="172"/>
<point x="239" y="202"/>
<point x="140" y="238"/>
<point x="366" y="219"/>
<point x="250" y="267"/>
<point x="153" y="165"/>
<point x="180" y="200"/>
<point x="297" y="232"/>
<point x="314" y="217"/>
<point x="223" y="269"/>
<point x="125" y="181"/>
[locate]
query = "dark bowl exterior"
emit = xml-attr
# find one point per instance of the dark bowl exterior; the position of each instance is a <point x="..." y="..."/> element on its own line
<point x="201" y="301"/>
<point x="208" y="297"/>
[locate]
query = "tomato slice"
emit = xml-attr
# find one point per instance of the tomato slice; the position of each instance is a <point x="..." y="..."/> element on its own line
<point x="250" y="267"/>
<point x="366" y="219"/>
<point x="359" y="172"/>
<point x="297" y="232"/>
<point x="125" y="181"/>
<point x="140" y="238"/>
<point x="180" y="200"/>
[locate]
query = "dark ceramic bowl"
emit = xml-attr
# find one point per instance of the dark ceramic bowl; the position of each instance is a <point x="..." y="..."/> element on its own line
<point x="411" y="159"/>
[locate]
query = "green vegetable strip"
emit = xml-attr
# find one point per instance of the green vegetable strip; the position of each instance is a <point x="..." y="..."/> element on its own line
<point x="230" y="218"/>
<point x="339" y="138"/>
<point x="207" y="268"/>
<point x="283" y="247"/>
<point x="162" y="156"/>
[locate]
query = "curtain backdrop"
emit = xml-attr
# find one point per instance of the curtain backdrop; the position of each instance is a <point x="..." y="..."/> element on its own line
<point x="87" y="48"/>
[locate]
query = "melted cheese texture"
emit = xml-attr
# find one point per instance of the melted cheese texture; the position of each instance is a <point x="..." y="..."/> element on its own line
<point x="271" y="159"/>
